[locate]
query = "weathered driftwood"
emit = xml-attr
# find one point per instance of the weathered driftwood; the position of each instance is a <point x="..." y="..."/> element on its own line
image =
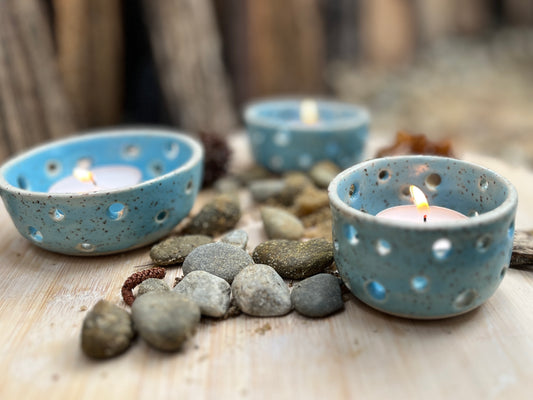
<point x="187" y="53"/>
<point x="33" y="106"/>
<point x="90" y="56"/>
<point x="522" y="249"/>
<point x="273" y="47"/>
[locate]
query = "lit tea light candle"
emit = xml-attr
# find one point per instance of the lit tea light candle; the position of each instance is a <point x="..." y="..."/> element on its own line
<point x="294" y="134"/>
<point x="99" y="178"/>
<point x="309" y="112"/>
<point x="420" y="211"/>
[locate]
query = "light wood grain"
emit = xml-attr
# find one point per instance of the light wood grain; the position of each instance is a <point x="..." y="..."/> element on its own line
<point x="358" y="353"/>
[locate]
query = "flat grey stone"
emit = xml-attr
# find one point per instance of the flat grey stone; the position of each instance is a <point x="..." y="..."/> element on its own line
<point x="152" y="285"/>
<point x="323" y="172"/>
<point x="228" y="184"/>
<point x="174" y="249"/>
<point x="237" y="237"/>
<point x="165" y="319"/>
<point x="211" y="293"/>
<point x="259" y="291"/>
<point x="293" y="259"/>
<point x="221" y="259"/>
<point x="317" y="296"/>
<point x="218" y="216"/>
<point x="107" y="330"/>
<point x="281" y="224"/>
<point x="265" y="189"/>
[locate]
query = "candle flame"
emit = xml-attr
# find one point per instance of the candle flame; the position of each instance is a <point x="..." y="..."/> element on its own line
<point x="309" y="112"/>
<point x="419" y="198"/>
<point x="83" y="175"/>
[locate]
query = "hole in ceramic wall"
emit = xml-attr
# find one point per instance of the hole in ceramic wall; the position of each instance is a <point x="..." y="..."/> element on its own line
<point x="442" y="248"/>
<point x="352" y="190"/>
<point x="189" y="187"/>
<point x="22" y="183"/>
<point x="161" y="216"/>
<point x="156" y="168"/>
<point x="56" y="214"/>
<point x="419" y="283"/>
<point x="473" y="213"/>
<point x="131" y="151"/>
<point x="383" y="175"/>
<point x="483" y="243"/>
<point x="405" y="193"/>
<point x="376" y="290"/>
<point x="85" y="247"/>
<point x="465" y="299"/>
<point x="503" y="271"/>
<point x="383" y="247"/>
<point x="350" y="233"/>
<point x="276" y="162"/>
<point x="116" y="211"/>
<point x="305" y="161"/>
<point x="35" y="234"/>
<point x="171" y="150"/>
<point x="53" y="167"/>
<point x="433" y="181"/>
<point x="510" y="231"/>
<point x="282" y="138"/>
<point x="483" y="184"/>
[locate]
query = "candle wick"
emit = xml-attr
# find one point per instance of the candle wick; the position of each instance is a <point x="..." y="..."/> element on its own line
<point x="425" y="218"/>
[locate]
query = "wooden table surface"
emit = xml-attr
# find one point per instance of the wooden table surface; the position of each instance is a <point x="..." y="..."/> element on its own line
<point x="357" y="353"/>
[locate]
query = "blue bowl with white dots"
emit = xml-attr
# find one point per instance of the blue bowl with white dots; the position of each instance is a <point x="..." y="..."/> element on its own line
<point x="414" y="269"/>
<point x="114" y="215"/>
<point x="281" y="142"/>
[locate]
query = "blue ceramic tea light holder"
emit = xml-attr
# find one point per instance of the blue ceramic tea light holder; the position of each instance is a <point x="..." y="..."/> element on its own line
<point x="281" y="141"/>
<point x="419" y="270"/>
<point x="109" y="220"/>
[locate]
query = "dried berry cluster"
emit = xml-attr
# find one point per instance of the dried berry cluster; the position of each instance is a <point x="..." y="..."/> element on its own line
<point x="137" y="278"/>
<point x="217" y="157"/>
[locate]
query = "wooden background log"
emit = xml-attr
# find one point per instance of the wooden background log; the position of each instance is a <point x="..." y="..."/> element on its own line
<point x="387" y="32"/>
<point x="273" y="47"/>
<point x="522" y="249"/>
<point x="90" y="54"/>
<point x="187" y="52"/>
<point x="33" y="105"/>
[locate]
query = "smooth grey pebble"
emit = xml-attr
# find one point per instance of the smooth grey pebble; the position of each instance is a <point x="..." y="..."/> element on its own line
<point x="281" y="224"/>
<point x="323" y="172"/>
<point x="107" y="330"/>
<point x="221" y="259"/>
<point x="293" y="259"/>
<point x="317" y="296"/>
<point x="174" y="249"/>
<point x="165" y="319"/>
<point x="237" y="237"/>
<point x="152" y="285"/>
<point x="211" y="293"/>
<point x="259" y="291"/>
<point x="265" y="189"/>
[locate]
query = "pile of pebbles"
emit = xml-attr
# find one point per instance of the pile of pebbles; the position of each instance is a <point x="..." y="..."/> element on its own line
<point x="220" y="278"/>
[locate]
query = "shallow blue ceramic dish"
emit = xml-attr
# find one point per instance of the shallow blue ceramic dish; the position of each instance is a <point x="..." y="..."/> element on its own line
<point x="280" y="141"/>
<point x="414" y="269"/>
<point x="108" y="220"/>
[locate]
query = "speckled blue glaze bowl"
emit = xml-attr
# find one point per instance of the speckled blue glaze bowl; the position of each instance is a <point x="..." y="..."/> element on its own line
<point x="281" y="142"/>
<point x="422" y="270"/>
<point x="110" y="220"/>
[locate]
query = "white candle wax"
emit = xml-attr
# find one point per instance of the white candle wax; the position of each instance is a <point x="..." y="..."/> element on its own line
<point x="105" y="177"/>
<point x="413" y="214"/>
